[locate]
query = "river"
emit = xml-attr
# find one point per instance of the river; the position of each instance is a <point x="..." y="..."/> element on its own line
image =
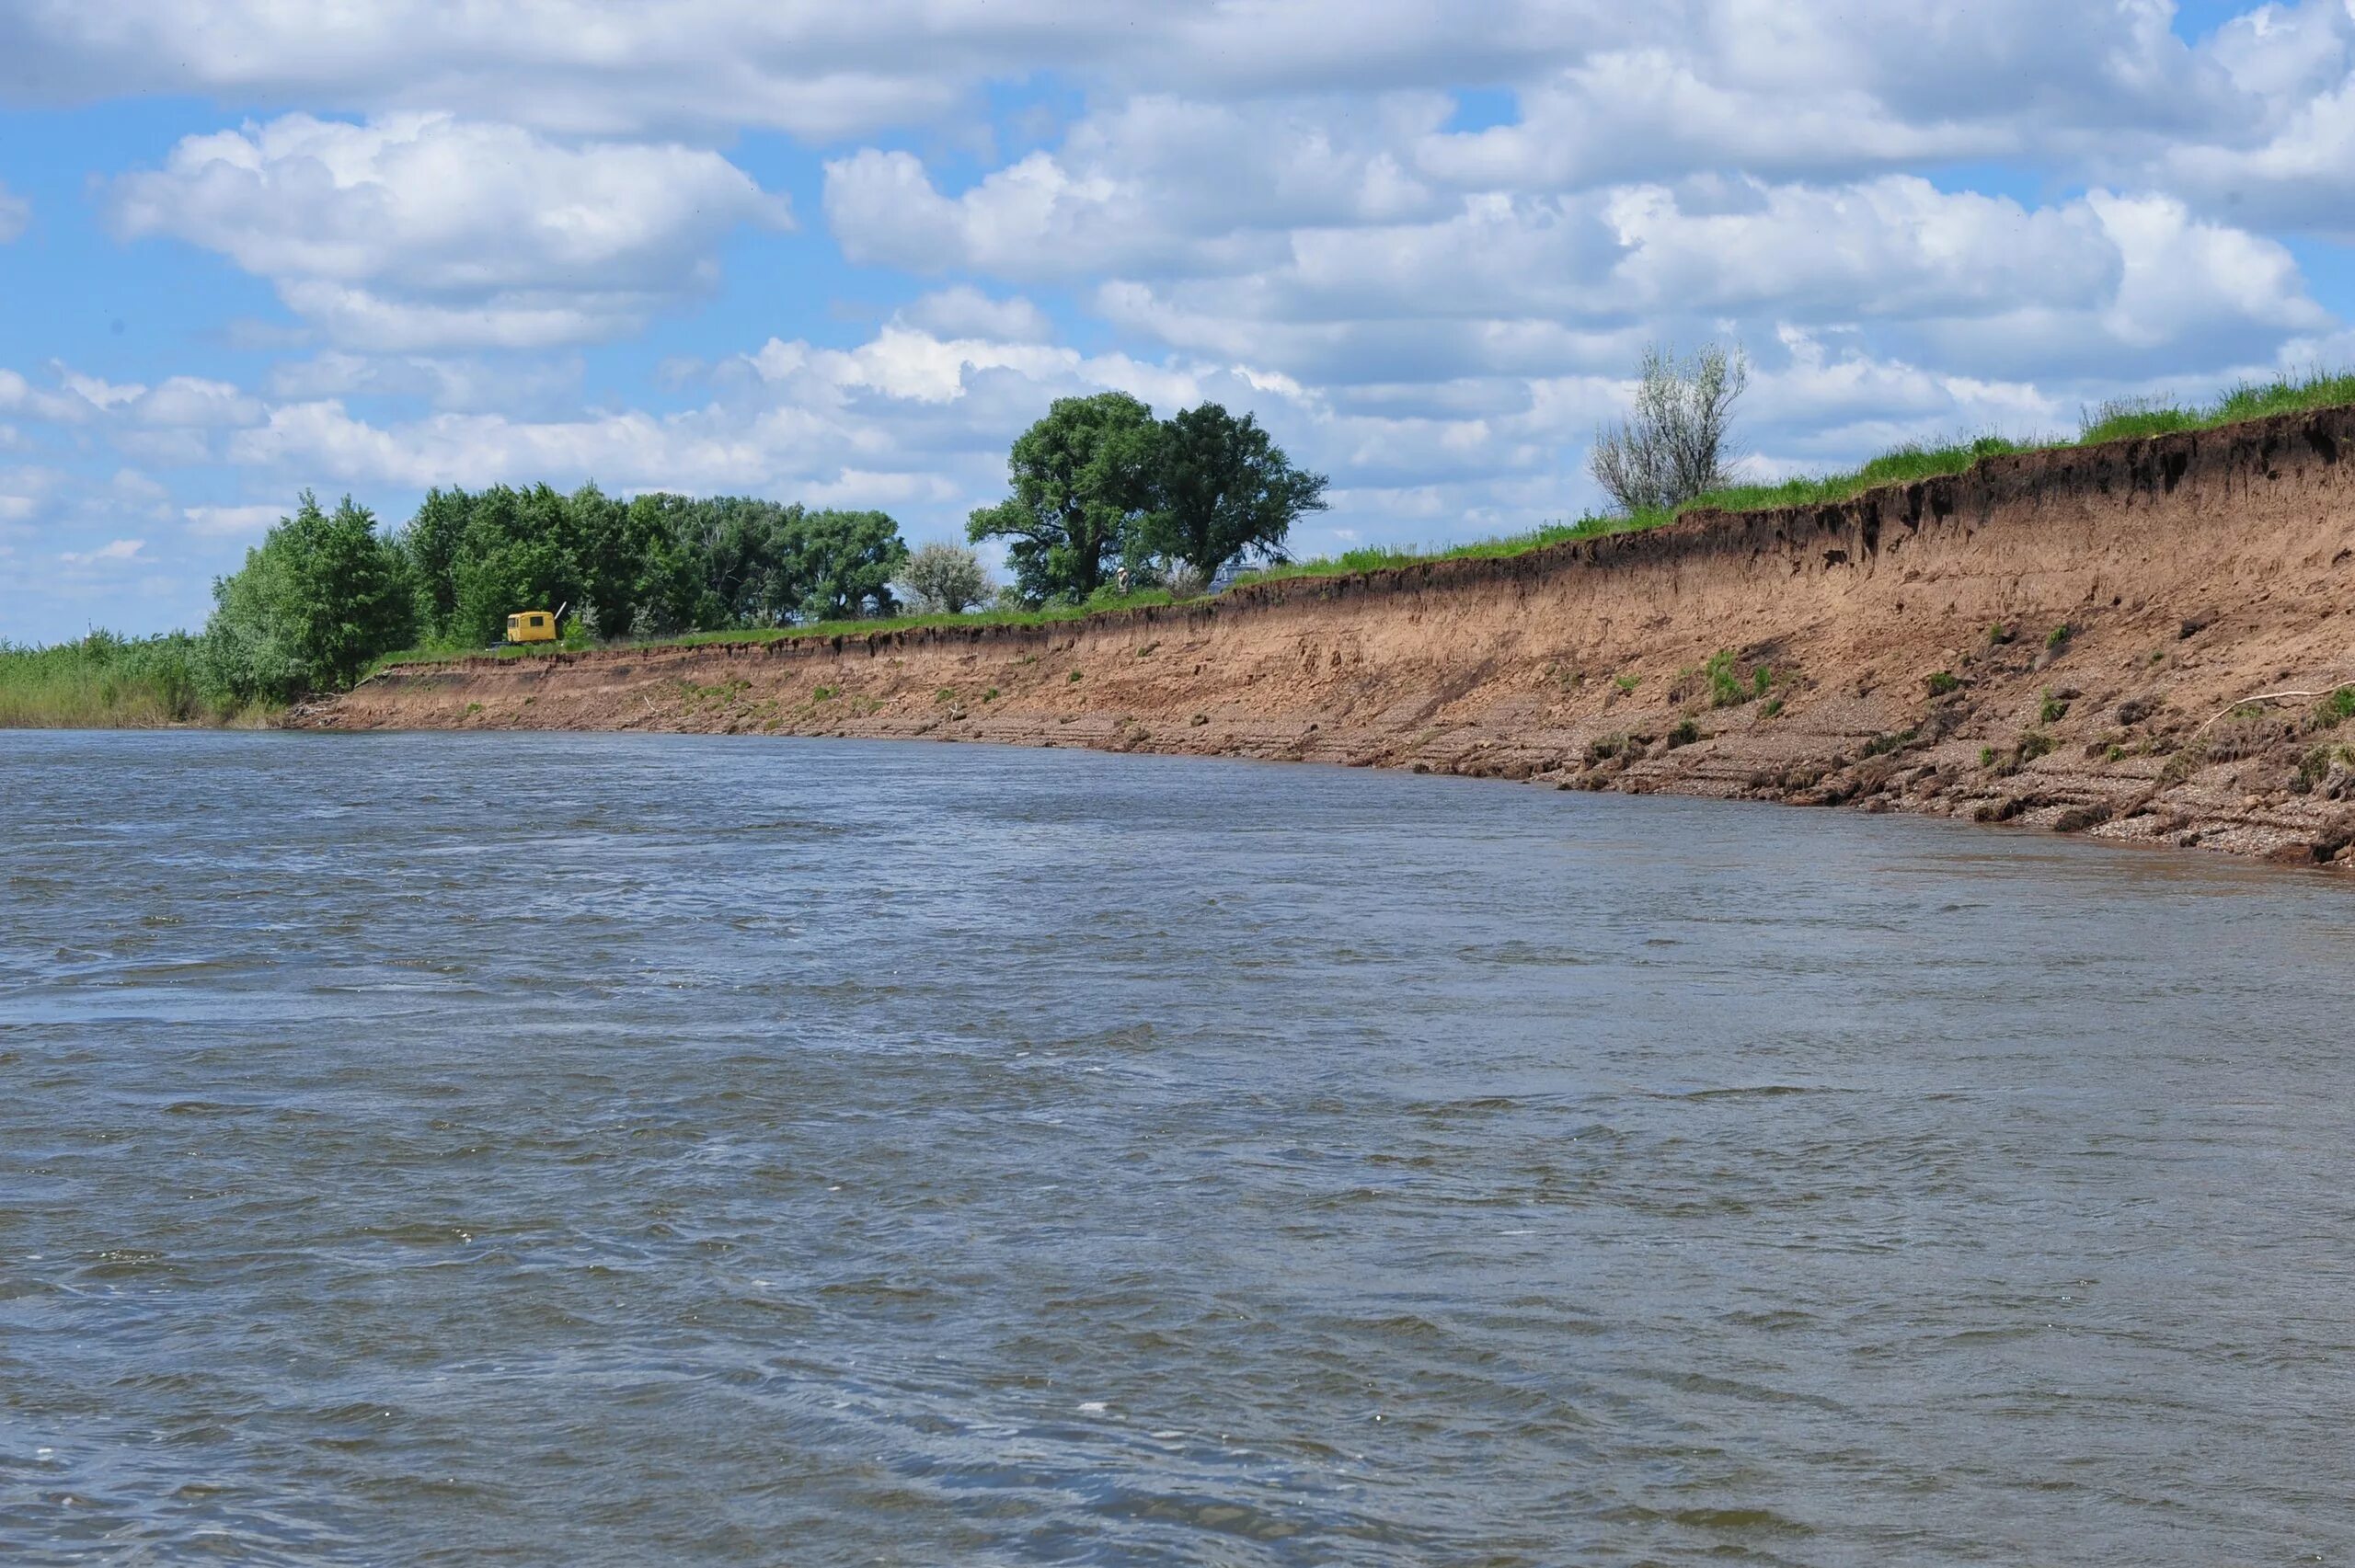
<point x="587" y="1150"/>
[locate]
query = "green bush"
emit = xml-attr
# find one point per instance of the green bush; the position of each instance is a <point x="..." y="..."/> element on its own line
<point x="1726" y="687"/>
<point x="319" y="599"/>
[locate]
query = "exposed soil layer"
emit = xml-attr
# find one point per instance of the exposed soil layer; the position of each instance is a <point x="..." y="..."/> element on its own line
<point x="2048" y="640"/>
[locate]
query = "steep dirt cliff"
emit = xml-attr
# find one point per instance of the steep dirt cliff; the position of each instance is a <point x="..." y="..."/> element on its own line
<point x="2048" y="640"/>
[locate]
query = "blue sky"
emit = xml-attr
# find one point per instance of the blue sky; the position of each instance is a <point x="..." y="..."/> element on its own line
<point x="842" y="254"/>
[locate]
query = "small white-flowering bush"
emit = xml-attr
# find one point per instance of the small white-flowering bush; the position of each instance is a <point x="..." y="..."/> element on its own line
<point x="945" y="579"/>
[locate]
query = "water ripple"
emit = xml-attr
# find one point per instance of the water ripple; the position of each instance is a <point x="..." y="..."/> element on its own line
<point x="578" y="1149"/>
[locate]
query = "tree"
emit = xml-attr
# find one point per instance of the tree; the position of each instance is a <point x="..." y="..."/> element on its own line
<point x="742" y="551"/>
<point x="1674" y="447"/>
<point x="842" y="562"/>
<point x="432" y="541"/>
<point x="941" y="578"/>
<point x="667" y="592"/>
<point x="610" y="555"/>
<point x="1223" y="489"/>
<point x="320" y="597"/>
<point x="1081" y="477"/>
<point x="514" y="557"/>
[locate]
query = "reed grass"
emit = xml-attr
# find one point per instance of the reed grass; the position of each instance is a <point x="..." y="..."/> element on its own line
<point x="106" y="681"/>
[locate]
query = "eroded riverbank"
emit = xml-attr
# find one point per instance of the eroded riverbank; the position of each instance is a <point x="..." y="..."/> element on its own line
<point x="2059" y="639"/>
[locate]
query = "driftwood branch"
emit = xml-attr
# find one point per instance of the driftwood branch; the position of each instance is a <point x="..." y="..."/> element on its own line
<point x="2260" y="697"/>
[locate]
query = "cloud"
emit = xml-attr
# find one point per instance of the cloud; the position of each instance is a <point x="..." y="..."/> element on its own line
<point x="15" y="215"/>
<point x="1545" y="285"/>
<point x="97" y="392"/>
<point x="513" y="383"/>
<point x="2296" y="170"/>
<point x="825" y="72"/>
<point x="1824" y="92"/>
<point x="966" y="312"/>
<point x="22" y="494"/>
<point x="232" y="522"/>
<point x="922" y="415"/>
<point x="18" y="395"/>
<point x="819" y="71"/>
<point x="117" y="551"/>
<point x="193" y="401"/>
<point x="423" y="230"/>
<point x="77" y="399"/>
<point x="1158" y="182"/>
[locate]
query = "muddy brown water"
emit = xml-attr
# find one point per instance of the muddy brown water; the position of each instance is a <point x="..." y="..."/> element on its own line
<point x="468" y="1148"/>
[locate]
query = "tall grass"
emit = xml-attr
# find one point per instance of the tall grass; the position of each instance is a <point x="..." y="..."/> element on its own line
<point x="2127" y="418"/>
<point x="105" y="681"/>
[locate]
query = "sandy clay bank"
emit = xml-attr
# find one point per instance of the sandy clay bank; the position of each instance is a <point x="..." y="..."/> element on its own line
<point x="2090" y="640"/>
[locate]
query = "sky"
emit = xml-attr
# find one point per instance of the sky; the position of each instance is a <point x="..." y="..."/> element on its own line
<point x="843" y="254"/>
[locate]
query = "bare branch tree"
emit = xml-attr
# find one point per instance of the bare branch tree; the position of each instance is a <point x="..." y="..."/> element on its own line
<point x="1674" y="446"/>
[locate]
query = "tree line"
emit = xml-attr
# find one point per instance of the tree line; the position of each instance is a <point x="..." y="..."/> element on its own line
<point x="326" y="593"/>
<point x="1100" y="488"/>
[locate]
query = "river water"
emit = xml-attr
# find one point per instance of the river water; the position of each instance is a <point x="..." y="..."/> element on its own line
<point x="578" y="1149"/>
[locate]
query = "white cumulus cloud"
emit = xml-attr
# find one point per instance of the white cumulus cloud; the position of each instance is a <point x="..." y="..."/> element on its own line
<point x="424" y="230"/>
<point x="115" y="551"/>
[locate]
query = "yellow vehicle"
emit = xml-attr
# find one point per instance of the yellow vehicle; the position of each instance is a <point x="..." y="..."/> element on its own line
<point x="531" y="626"/>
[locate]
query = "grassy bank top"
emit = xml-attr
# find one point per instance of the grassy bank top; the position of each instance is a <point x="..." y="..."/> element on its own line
<point x="2116" y="421"/>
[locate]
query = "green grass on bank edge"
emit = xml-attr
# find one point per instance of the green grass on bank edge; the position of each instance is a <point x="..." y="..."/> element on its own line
<point x="105" y="681"/>
<point x="1050" y="615"/>
<point x="2123" y="419"/>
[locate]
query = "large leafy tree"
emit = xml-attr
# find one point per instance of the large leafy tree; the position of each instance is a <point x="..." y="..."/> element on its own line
<point x="669" y="587"/>
<point x="433" y="542"/>
<point x="738" y="544"/>
<point x="842" y="562"/>
<point x="517" y="555"/>
<point x="610" y="556"/>
<point x="1082" y="476"/>
<point x="1223" y="490"/>
<point x="320" y="597"/>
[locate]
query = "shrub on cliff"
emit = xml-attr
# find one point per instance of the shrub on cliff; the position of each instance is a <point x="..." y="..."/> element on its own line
<point x="941" y="578"/>
<point x="1674" y="446"/>
<point x="321" y="597"/>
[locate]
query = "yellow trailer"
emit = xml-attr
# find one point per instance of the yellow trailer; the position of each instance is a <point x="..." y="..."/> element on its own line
<point x="531" y="626"/>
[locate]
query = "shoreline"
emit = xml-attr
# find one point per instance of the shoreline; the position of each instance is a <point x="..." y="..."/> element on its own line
<point x="2054" y="639"/>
